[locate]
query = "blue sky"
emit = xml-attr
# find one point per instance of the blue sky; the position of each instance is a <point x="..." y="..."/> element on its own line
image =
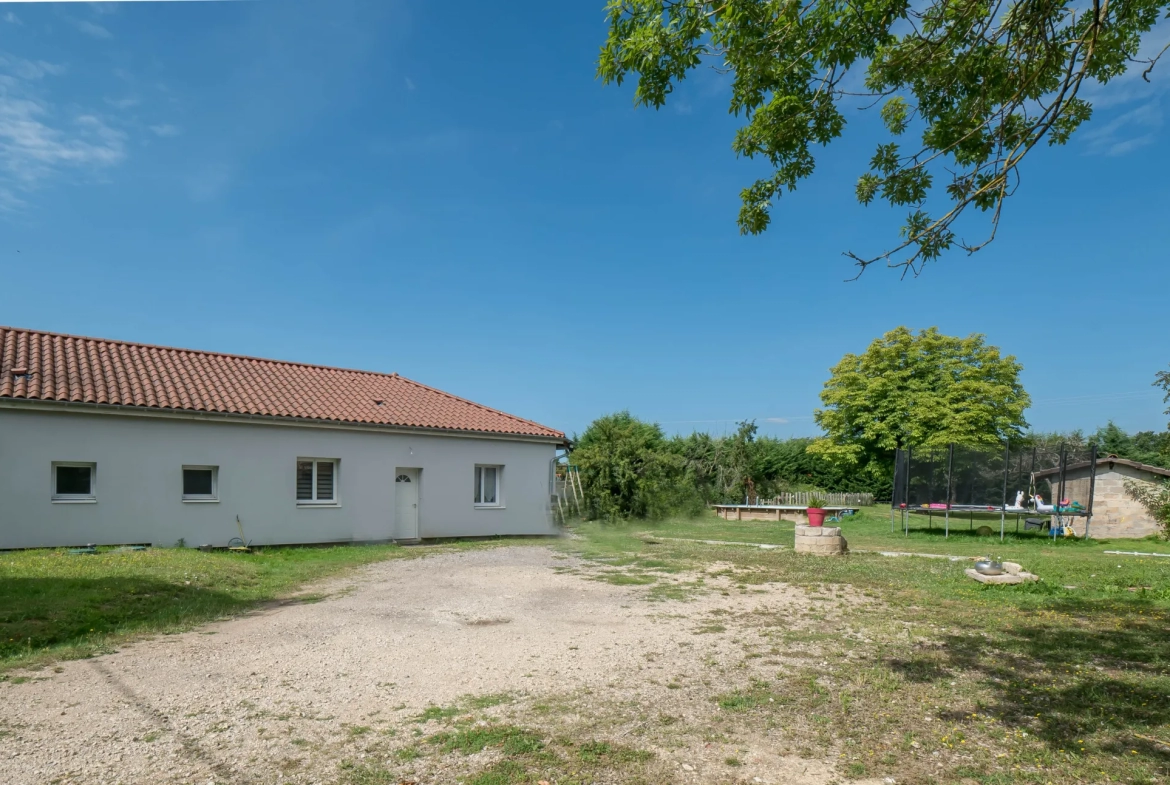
<point x="446" y="191"/>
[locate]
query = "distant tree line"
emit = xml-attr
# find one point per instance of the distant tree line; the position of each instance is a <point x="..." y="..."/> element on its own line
<point x="631" y="469"/>
<point x="1149" y="447"/>
<point x="907" y="389"/>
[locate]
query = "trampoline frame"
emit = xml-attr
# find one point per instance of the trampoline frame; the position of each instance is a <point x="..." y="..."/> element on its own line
<point x="903" y="472"/>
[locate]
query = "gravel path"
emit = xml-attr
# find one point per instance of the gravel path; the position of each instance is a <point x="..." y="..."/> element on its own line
<point x="282" y="694"/>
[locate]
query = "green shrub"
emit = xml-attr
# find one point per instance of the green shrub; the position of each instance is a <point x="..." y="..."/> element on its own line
<point x="1155" y="498"/>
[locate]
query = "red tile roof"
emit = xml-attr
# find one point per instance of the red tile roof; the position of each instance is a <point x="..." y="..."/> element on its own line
<point x="52" y="367"/>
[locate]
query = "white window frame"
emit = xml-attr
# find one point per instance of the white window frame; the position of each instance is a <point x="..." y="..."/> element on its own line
<point x="75" y="498"/>
<point x="477" y="481"/>
<point x="197" y="498"/>
<point x="315" y="502"/>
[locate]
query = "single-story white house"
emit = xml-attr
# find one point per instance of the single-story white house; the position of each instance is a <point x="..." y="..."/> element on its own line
<point x="108" y="442"/>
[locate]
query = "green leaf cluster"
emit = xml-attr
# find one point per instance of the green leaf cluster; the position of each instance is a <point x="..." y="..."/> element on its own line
<point x="627" y="470"/>
<point x="981" y="83"/>
<point x="1162" y="379"/>
<point x="1155" y="498"/>
<point x="919" y="389"/>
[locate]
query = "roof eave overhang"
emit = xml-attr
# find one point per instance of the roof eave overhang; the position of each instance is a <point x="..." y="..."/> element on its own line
<point x="82" y="407"/>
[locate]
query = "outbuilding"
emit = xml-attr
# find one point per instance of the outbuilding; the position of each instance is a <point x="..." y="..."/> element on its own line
<point x="108" y="442"/>
<point x="1115" y="513"/>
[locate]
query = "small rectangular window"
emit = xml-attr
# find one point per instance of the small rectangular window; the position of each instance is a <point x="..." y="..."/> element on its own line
<point x="316" y="481"/>
<point x="200" y="483"/>
<point x="487" y="485"/>
<point x="74" y="482"/>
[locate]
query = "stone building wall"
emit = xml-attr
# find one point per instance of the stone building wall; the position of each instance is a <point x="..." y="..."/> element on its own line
<point x="1115" y="514"/>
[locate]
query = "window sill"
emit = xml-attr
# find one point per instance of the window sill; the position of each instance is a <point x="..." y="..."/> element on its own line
<point x="316" y="505"/>
<point x="200" y="501"/>
<point x="489" y="506"/>
<point x="74" y="501"/>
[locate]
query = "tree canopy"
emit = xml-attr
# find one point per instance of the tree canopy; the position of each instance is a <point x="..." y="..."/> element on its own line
<point x="980" y="82"/>
<point x="626" y="469"/>
<point x="921" y="389"/>
<point x="1162" y="379"/>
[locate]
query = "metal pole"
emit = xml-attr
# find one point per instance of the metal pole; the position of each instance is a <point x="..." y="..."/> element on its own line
<point x="906" y="493"/>
<point x="1060" y="494"/>
<point x="1031" y="480"/>
<point x="1092" y="488"/>
<point x="1007" y="459"/>
<point x="898" y="472"/>
<point x="930" y="493"/>
<point x="950" y="468"/>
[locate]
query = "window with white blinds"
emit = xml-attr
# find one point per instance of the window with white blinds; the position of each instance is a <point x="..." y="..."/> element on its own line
<point x="316" y="481"/>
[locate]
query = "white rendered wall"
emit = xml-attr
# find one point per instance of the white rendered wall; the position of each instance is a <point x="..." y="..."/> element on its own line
<point x="139" y="482"/>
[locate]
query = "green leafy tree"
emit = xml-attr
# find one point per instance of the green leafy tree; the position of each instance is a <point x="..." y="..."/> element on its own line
<point x="1144" y="446"/>
<point x="1155" y="497"/>
<point x="980" y="84"/>
<point x="627" y="469"/>
<point x="1162" y="379"/>
<point x="717" y="468"/>
<point x="919" y="390"/>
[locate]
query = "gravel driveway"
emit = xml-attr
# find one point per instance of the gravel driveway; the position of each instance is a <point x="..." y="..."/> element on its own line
<point x="283" y="694"/>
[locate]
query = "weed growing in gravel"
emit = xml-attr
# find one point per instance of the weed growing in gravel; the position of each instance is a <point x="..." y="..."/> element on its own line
<point x="511" y="739"/>
<point x="437" y="713"/>
<point x="624" y="579"/>
<point x="480" y="702"/>
<point x="760" y="693"/>
<point x="525" y="757"/>
<point x="595" y="751"/>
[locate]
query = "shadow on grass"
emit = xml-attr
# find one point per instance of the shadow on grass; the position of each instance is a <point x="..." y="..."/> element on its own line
<point x="43" y="613"/>
<point x="1097" y="666"/>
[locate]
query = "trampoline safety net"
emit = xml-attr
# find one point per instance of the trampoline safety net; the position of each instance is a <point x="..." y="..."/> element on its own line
<point x="994" y="481"/>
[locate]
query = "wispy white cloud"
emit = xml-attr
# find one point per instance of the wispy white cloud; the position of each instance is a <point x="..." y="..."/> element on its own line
<point x="776" y="420"/>
<point x="409" y="83"/>
<point x="31" y="148"/>
<point x="89" y="28"/>
<point x="30" y="69"/>
<point x="37" y="142"/>
<point x="166" y="129"/>
<point x="1126" y="132"/>
<point x="1127" y="110"/>
<point x="12" y="18"/>
<point x="123" y="103"/>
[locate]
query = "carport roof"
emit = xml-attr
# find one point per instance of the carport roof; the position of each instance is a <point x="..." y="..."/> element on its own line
<point x="41" y="366"/>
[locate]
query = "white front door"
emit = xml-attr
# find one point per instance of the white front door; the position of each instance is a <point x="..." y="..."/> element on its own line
<point x="406" y="504"/>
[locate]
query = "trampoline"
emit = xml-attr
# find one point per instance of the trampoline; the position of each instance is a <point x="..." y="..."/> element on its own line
<point x="957" y="482"/>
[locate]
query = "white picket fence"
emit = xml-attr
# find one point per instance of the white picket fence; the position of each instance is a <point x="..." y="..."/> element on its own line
<point x="832" y="499"/>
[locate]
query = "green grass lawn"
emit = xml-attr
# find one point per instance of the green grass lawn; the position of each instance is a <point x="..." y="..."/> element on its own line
<point x="945" y="679"/>
<point x="54" y="605"/>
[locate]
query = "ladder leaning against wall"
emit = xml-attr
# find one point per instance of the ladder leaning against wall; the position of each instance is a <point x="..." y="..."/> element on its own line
<point x="569" y="492"/>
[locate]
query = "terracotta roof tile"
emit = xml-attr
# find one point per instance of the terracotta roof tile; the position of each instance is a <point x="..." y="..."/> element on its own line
<point x="91" y="370"/>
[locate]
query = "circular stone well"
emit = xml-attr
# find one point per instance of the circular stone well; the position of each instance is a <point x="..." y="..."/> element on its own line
<point x="821" y="540"/>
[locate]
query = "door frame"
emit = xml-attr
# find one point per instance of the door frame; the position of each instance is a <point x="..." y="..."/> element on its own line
<point x="415" y="473"/>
